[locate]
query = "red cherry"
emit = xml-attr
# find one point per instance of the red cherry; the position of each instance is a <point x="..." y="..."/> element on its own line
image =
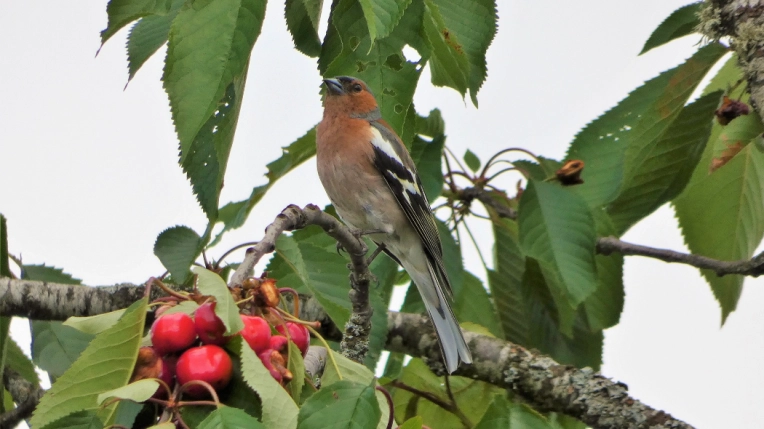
<point x="256" y="332"/>
<point x="279" y="343"/>
<point x="265" y="357"/>
<point x="208" y="363"/>
<point x="209" y="327"/>
<point x="299" y="335"/>
<point x="173" y="333"/>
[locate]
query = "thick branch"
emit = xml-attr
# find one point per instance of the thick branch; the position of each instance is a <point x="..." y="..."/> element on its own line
<point x="24" y="394"/>
<point x="607" y="245"/>
<point x="55" y="301"/>
<point x="355" y="342"/>
<point x="583" y="394"/>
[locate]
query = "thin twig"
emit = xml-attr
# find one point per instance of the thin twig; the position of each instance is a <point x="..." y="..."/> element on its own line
<point x="435" y="400"/>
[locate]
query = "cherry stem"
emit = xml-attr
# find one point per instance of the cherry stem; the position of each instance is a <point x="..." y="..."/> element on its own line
<point x="502" y="152"/>
<point x="206" y="386"/>
<point x="296" y="298"/>
<point x="389" y="399"/>
<point x="288" y="317"/>
<point x="233" y="249"/>
<point x="166" y="289"/>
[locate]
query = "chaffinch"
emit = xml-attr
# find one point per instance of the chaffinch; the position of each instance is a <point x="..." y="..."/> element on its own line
<point x="370" y="178"/>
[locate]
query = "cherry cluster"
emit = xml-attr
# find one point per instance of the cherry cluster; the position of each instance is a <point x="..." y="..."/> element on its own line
<point x="189" y="350"/>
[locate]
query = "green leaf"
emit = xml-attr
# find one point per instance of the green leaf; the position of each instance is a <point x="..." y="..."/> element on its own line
<point x="431" y="125"/>
<point x="16" y="360"/>
<point x="505" y="281"/>
<point x="732" y="137"/>
<point x="138" y="391"/>
<point x="448" y="64"/>
<point x="44" y="273"/>
<point x="645" y="114"/>
<point x="204" y="76"/>
<point x="722" y="216"/>
<point x="55" y="346"/>
<point x="472" y="304"/>
<point x="308" y="262"/>
<point x="473" y="23"/>
<point x="297" y="367"/>
<point x="578" y="345"/>
<point x="543" y="170"/>
<point x="472" y="396"/>
<point x="279" y="409"/>
<point x="681" y="22"/>
<point x="106" y="364"/>
<point x="557" y="230"/>
<point x="348" y="50"/>
<point x="233" y="215"/>
<point x="229" y="418"/>
<point x="472" y="161"/>
<point x="412" y="423"/>
<point x="498" y="414"/>
<point x="187" y="307"/>
<point x="302" y="18"/>
<point x="427" y="157"/>
<point x="209" y="283"/>
<point x="382" y="16"/>
<point x="177" y="248"/>
<point x="344" y="404"/>
<point x="126" y="413"/>
<point x="348" y="370"/>
<point x="603" y="307"/>
<point x="94" y="324"/>
<point x="656" y="170"/>
<point x="79" y="420"/>
<point x="148" y="35"/>
<point x="123" y="12"/>
<point x="726" y="77"/>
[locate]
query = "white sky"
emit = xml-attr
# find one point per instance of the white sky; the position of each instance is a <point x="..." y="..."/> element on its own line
<point x="89" y="172"/>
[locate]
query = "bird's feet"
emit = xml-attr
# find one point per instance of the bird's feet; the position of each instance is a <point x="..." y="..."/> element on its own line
<point x="357" y="233"/>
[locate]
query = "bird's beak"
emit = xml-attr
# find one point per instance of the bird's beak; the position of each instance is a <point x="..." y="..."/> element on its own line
<point x="334" y="86"/>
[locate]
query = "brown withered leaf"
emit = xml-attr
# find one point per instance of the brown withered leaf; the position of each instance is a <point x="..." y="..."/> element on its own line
<point x="726" y="155"/>
<point x="730" y="109"/>
<point x="570" y="173"/>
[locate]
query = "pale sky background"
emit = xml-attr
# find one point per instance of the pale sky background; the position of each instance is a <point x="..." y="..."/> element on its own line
<point x="89" y="172"/>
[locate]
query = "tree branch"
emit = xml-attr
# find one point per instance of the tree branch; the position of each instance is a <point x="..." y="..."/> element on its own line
<point x="24" y="394"/>
<point x="581" y="393"/>
<point x="355" y="342"/>
<point x="753" y="267"/>
<point x="547" y="385"/>
<point x="607" y="245"/>
<point x="55" y="301"/>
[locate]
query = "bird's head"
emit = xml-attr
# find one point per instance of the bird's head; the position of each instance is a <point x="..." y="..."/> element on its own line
<point x="351" y="96"/>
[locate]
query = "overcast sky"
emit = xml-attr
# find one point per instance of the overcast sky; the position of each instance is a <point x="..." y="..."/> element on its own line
<point x="89" y="172"/>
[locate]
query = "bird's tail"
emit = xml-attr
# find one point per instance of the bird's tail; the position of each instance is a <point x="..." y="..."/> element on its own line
<point x="431" y="287"/>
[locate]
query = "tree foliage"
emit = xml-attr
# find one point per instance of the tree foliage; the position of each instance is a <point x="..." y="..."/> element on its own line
<point x="547" y="286"/>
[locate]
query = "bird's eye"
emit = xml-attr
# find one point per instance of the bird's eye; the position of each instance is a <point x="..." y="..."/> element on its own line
<point x="357" y="87"/>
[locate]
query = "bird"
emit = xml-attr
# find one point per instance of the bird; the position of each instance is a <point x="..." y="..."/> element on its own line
<point x="373" y="184"/>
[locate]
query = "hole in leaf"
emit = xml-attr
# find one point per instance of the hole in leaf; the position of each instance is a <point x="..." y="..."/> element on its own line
<point x="395" y="62"/>
<point x="388" y="91"/>
<point x="360" y="66"/>
<point x="398" y="108"/>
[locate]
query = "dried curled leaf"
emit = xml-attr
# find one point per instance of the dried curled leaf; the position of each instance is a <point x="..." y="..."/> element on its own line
<point x="570" y="173"/>
<point x="729" y="110"/>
